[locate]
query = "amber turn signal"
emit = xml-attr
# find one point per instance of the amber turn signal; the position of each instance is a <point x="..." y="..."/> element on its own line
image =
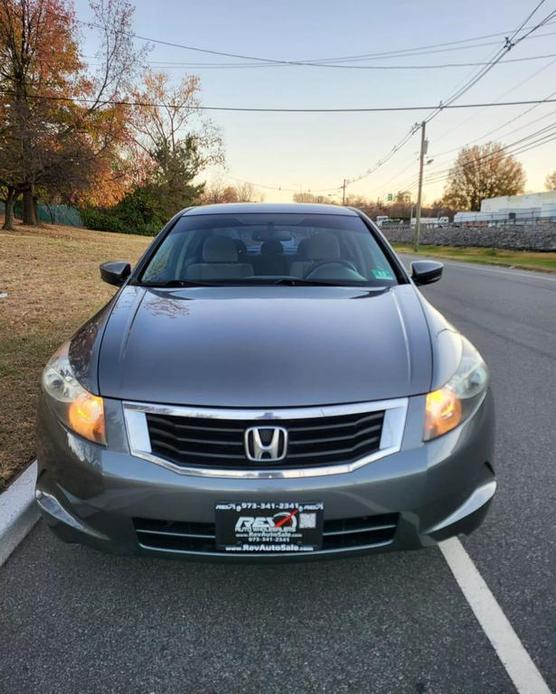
<point x="443" y="412"/>
<point x="86" y="417"/>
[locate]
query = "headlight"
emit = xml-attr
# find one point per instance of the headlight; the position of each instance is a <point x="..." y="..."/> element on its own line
<point x="78" y="409"/>
<point x="451" y="405"/>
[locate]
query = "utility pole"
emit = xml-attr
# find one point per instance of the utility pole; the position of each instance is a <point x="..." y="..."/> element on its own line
<point x="424" y="145"/>
<point x="344" y="191"/>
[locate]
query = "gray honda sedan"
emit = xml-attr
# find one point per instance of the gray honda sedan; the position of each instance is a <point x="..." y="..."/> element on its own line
<point x="268" y="382"/>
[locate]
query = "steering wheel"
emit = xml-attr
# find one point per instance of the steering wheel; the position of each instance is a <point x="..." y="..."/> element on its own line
<point x="341" y="262"/>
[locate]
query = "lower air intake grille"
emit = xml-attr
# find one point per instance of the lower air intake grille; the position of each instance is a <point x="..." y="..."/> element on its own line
<point x="338" y="535"/>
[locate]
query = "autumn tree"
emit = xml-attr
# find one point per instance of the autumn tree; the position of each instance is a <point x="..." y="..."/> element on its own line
<point x="482" y="171"/>
<point x="58" y="135"/>
<point x="550" y="182"/>
<point x="37" y="54"/>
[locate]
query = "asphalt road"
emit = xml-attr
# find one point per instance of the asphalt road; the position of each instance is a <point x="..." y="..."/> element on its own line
<point x="74" y="620"/>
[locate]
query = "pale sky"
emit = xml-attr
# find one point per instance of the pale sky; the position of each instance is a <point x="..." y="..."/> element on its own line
<point x="312" y="151"/>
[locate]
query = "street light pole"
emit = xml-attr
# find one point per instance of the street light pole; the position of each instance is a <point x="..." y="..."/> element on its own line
<point x="424" y="145"/>
<point x="344" y="192"/>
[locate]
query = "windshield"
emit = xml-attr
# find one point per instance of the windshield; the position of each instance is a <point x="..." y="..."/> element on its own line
<point x="274" y="248"/>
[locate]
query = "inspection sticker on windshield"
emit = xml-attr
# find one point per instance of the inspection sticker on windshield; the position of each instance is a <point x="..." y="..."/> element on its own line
<point x="269" y="526"/>
<point x="380" y="273"/>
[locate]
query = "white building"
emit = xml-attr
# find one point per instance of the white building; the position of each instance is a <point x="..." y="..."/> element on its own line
<point x="518" y="209"/>
<point x="519" y="202"/>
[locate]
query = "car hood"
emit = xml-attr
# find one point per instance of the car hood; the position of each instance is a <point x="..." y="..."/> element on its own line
<point x="265" y="346"/>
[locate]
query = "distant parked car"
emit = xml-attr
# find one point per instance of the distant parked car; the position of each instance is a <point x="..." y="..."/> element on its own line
<point x="267" y="382"/>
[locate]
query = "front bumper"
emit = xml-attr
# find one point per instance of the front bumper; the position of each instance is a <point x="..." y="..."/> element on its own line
<point x="93" y="495"/>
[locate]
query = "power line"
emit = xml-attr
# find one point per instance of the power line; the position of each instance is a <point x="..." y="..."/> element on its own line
<point x="256" y="109"/>
<point x="519" y="84"/>
<point x="500" y="127"/>
<point x="432" y="66"/>
<point x="509" y="43"/>
<point x="501" y="96"/>
<point x="384" y="160"/>
<point x="449" y="46"/>
<point x="522" y="149"/>
<point x="439" y="175"/>
<point x="306" y="62"/>
<point x="533" y="11"/>
<point x="547" y="131"/>
<point x="511" y="144"/>
<point x="266" y="187"/>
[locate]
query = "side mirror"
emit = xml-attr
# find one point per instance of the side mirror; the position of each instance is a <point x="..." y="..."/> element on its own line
<point x="426" y="271"/>
<point x="115" y="272"/>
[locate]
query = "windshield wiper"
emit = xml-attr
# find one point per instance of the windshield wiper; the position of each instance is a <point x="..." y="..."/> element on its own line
<point x="179" y="283"/>
<point x="246" y="281"/>
<point x="295" y="281"/>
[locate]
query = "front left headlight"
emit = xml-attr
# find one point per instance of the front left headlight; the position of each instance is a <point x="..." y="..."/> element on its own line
<point x="79" y="410"/>
<point x="452" y="404"/>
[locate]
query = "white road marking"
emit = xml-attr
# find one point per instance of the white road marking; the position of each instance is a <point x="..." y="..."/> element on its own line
<point x="518" y="663"/>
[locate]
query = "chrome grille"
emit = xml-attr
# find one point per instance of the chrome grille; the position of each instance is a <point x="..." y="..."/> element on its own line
<point x="204" y="441"/>
<point x="317" y="441"/>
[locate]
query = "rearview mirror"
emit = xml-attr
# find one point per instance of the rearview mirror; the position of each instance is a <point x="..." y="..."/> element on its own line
<point x="426" y="271"/>
<point x="115" y="272"/>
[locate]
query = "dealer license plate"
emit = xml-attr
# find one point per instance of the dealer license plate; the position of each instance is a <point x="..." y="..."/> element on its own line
<point x="269" y="526"/>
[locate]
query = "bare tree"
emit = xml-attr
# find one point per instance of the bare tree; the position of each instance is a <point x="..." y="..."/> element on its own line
<point x="246" y="192"/>
<point x="311" y="197"/>
<point x="173" y="142"/>
<point x="550" y="182"/>
<point x="217" y="192"/>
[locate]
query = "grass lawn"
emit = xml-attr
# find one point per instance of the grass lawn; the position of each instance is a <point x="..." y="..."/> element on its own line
<point x="53" y="284"/>
<point x="526" y="260"/>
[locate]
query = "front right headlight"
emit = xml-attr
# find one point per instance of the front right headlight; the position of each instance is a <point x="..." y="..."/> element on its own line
<point x="452" y="404"/>
<point x="79" y="410"/>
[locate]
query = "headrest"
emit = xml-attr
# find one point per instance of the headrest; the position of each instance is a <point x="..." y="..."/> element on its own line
<point x="323" y="246"/>
<point x="272" y="247"/>
<point x="220" y="249"/>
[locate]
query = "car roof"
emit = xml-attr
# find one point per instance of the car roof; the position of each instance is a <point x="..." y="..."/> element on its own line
<point x="269" y="208"/>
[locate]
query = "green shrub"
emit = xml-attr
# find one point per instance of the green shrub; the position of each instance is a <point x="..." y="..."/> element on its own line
<point x="101" y="220"/>
<point x="140" y="212"/>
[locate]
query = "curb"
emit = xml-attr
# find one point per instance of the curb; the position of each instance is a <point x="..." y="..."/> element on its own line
<point x="18" y="511"/>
